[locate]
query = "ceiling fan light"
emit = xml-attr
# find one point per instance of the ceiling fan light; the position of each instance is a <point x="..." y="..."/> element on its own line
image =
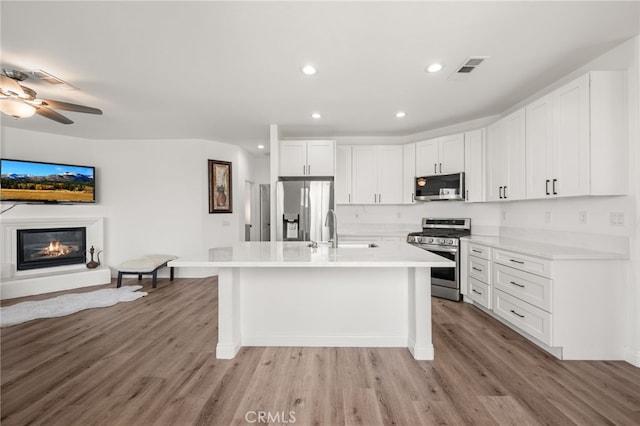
<point x="16" y="109"/>
<point x="9" y="86"/>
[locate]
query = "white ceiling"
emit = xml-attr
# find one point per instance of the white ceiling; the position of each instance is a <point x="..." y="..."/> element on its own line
<point x="224" y="71"/>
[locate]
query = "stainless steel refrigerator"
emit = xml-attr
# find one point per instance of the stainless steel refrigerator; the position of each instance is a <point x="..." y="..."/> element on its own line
<point x="302" y="207"/>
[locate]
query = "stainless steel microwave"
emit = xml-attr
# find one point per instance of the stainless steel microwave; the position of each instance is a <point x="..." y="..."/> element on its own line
<point x="440" y="187"/>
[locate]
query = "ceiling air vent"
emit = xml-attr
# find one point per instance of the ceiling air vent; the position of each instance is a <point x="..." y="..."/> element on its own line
<point x="469" y="65"/>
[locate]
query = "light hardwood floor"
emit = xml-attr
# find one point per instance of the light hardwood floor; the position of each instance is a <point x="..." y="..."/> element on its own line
<point x="152" y="361"/>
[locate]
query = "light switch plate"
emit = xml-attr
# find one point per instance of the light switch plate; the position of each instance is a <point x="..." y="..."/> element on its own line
<point x="582" y="217"/>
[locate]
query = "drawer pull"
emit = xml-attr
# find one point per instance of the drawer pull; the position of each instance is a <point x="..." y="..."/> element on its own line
<point x="477" y="292"/>
<point x="517" y="261"/>
<point x="476" y="251"/>
<point x="516" y="284"/>
<point x="476" y="269"/>
<point x="516" y="314"/>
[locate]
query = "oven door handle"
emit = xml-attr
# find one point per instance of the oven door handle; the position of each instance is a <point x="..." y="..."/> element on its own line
<point x="437" y="248"/>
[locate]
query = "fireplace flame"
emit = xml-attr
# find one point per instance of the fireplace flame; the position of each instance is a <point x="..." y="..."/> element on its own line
<point x="56" y="249"/>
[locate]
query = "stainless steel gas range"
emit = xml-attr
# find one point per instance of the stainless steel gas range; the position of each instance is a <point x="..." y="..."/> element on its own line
<point x="442" y="237"/>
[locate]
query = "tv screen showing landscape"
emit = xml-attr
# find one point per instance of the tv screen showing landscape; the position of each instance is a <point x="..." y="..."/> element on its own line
<point x="46" y="182"/>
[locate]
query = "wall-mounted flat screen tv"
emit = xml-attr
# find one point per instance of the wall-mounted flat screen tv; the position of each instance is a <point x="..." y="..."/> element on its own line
<point x="32" y="181"/>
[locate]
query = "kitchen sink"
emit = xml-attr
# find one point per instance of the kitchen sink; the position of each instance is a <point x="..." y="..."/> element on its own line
<point x="344" y="245"/>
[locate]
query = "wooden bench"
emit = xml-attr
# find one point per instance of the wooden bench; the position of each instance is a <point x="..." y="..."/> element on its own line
<point x="145" y="265"/>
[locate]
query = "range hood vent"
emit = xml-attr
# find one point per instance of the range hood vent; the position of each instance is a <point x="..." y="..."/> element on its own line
<point x="467" y="67"/>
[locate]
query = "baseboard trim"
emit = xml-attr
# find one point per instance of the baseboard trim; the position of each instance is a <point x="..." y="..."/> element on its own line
<point x="327" y="341"/>
<point x="227" y="351"/>
<point x="632" y="356"/>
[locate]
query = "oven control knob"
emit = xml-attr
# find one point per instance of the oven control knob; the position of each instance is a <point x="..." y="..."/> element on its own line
<point x="430" y="240"/>
<point x="418" y="239"/>
<point x="450" y="242"/>
<point x="443" y="241"/>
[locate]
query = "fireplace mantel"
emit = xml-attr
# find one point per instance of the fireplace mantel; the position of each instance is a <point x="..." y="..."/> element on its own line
<point x="14" y="283"/>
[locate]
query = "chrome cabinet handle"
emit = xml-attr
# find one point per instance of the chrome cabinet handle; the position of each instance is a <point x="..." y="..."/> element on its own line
<point x="517" y="261"/>
<point x="413" y="197"/>
<point x="516" y="284"/>
<point x="304" y="170"/>
<point x="553" y="186"/>
<point x="440" y="167"/>
<point x="435" y="168"/>
<point x="476" y="251"/>
<point x="546" y="187"/>
<point x="349" y="197"/>
<point x="477" y="292"/>
<point x="379" y="198"/>
<point x="505" y="192"/>
<point x="476" y="269"/>
<point x="517" y="314"/>
<point x="500" y="192"/>
<point x="467" y="194"/>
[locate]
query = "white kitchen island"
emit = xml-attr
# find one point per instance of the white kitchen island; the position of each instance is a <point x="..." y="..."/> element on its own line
<point x="289" y="294"/>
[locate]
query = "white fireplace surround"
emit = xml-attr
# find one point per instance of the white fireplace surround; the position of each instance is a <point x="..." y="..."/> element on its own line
<point x="14" y="283"/>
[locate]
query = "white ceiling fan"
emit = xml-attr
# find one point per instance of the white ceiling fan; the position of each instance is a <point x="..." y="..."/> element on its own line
<point x="20" y="101"/>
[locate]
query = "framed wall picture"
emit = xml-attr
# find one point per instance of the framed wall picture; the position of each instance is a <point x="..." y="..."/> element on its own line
<point x="220" y="191"/>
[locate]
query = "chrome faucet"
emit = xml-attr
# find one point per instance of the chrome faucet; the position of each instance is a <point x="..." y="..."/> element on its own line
<point x="333" y="228"/>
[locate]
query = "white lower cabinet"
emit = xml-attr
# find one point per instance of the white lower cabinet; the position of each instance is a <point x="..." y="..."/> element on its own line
<point x="480" y="292"/>
<point x="479" y="275"/>
<point x="568" y="304"/>
<point x="528" y="287"/>
<point x="523" y="315"/>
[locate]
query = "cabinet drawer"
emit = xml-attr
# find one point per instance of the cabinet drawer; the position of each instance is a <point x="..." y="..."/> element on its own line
<point x="478" y="269"/>
<point x="535" y="265"/>
<point x="523" y="285"/>
<point x="526" y="317"/>
<point x="479" y="251"/>
<point x="480" y="293"/>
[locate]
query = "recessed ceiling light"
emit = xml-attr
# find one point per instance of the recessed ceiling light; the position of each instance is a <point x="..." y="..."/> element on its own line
<point x="316" y="115"/>
<point x="309" y="69"/>
<point x="401" y="114"/>
<point x="435" y="67"/>
<point x="260" y="146"/>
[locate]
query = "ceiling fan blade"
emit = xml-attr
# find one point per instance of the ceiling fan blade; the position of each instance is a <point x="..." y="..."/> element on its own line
<point x="49" y="113"/>
<point x="70" y="107"/>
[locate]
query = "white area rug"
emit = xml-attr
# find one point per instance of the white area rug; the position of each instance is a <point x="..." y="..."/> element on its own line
<point x="67" y="304"/>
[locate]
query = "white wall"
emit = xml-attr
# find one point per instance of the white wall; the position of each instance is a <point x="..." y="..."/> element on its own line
<point x="152" y="193"/>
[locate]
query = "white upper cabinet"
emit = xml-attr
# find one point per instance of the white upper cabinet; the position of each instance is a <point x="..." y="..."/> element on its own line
<point x="474" y="160"/>
<point x="427" y="158"/>
<point x="506" y="158"/>
<point x="307" y="158"/>
<point x="377" y="174"/>
<point x="575" y="139"/>
<point x="441" y="155"/>
<point x="408" y="173"/>
<point x="539" y="149"/>
<point x="452" y="154"/>
<point x="343" y="174"/>
<point x="390" y="174"/>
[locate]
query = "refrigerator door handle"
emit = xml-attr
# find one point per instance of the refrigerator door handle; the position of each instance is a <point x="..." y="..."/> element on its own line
<point x="301" y="196"/>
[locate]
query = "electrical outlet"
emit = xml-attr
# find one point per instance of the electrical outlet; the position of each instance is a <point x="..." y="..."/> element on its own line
<point x="547" y="217"/>
<point x="226" y="223"/>
<point x="616" y="219"/>
<point x="582" y="217"/>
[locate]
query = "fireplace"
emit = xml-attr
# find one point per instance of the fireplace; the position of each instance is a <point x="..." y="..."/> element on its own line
<point x="49" y="247"/>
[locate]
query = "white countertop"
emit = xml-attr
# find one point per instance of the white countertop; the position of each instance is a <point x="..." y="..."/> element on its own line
<point x="300" y="255"/>
<point x="545" y="251"/>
